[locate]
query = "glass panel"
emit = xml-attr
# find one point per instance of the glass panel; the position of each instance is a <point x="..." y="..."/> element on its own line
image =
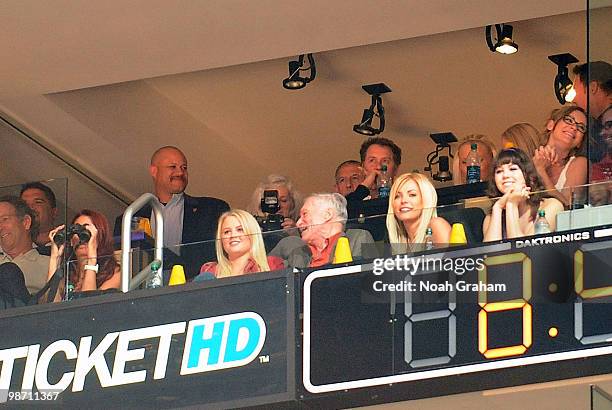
<point x="600" y="74"/>
<point x="80" y="279"/>
<point x="48" y="201"/>
<point x="24" y="160"/>
<point x="600" y="399"/>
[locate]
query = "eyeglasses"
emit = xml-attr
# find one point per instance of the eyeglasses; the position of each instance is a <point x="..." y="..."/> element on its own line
<point x="569" y="120"/>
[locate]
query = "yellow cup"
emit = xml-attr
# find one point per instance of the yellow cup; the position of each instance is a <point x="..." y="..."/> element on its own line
<point x="177" y="276"/>
<point x="343" y="251"/>
<point x="457" y="236"/>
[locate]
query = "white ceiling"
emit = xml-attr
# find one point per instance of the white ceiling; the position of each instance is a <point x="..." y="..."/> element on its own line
<point x="103" y="84"/>
<point x="65" y="45"/>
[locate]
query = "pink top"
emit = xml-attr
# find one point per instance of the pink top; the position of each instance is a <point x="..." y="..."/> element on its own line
<point x="275" y="263"/>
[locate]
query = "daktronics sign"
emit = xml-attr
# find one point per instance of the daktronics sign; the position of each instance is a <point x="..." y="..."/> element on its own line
<point x="213" y="343"/>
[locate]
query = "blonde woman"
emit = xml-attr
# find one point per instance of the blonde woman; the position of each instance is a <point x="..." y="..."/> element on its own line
<point x="240" y="248"/>
<point x="412" y="209"/>
<point x="523" y="136"/>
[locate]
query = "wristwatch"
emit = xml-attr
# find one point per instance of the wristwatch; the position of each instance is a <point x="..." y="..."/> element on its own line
<point x="93" y="268"/>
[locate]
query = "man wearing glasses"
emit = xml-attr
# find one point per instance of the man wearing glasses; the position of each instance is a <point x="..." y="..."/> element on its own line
<point x="18" y="228"/>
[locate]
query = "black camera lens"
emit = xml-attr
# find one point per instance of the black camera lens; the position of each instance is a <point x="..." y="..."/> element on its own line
<point x="76" y="229"/>
<point x="82" y="232"/>
<point x="59" y="238"/>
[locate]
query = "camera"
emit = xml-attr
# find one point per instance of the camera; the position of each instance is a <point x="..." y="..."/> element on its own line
<point x="270" y="206"/>
<point x="76" y="229"/>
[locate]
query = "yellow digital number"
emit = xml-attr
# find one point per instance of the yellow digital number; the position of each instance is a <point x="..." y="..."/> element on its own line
<point x="521" y="303"/>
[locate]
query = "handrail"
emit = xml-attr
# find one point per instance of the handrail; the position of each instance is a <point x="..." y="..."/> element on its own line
<point x="126" y="242"/>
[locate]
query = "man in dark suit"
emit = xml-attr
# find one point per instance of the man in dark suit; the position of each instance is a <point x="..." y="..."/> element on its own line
<point x="187" y="219"/>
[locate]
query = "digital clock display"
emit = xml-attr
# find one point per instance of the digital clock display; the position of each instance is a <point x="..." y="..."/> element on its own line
<point x="502" y="321"/>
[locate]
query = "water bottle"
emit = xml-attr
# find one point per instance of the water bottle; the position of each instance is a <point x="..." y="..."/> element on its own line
<point x="473" y="165"/>
<point x="541" y="224"/>
<point x="69" y="291"/>
<point x="384" y="182"/>
<point x="429" y="244"/>
<point x="156" y="279"/>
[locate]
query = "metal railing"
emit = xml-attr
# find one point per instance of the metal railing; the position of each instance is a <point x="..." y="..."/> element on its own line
<point x="156" y="266"/>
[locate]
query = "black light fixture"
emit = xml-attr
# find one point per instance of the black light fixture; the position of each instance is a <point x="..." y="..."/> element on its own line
<point x="376" y="109"/>
<point x="294" y="81"/>
<point x="442" y="140"/>
<point x="504" y="43"/>
<point x="564" y="88"/>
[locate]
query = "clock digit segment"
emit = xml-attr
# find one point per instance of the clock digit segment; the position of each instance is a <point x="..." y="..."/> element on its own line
<point x="490" y="307"/>
<point x="593" y="294"/>
<point x="428" y="316"/>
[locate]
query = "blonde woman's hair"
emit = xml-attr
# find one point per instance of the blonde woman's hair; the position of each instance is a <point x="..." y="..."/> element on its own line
<point x="523" y="136"/>
<point x="472" y="138"/>
<point x="396" y="229"/>
<point x="271" y="182"/>
<point x="250" y="228"/>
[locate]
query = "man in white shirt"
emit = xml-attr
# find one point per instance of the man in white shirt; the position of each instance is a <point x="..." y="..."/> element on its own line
<point x="18" y="228"/>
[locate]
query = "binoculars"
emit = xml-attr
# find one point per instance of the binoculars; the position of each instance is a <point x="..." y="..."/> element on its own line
<point x="76" y="229"/>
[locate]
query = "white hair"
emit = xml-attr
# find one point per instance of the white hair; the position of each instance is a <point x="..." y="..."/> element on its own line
<point x="335" y="201"/>
<point x="274" y="181"/>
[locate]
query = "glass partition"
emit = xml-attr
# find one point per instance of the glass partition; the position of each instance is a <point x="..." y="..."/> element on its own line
<point x="600" y="399"/>
<point x="368" y="237"/>
<point x="24" y="159"/>
<point x="599" y="58"/>
<point x="24" y="242"/>
<point x="463" y="226"/>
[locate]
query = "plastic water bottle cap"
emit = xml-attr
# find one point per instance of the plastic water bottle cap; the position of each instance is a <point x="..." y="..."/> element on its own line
<point x="155" y="265"/>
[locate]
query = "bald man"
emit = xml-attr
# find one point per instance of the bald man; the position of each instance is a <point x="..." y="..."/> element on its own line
<point x="187" y="219"/>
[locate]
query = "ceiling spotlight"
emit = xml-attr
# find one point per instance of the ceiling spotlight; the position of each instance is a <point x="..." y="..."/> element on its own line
<point x="504" y="43"/>
<point x="442" y="141"/>
<point x="294" y="81"/>
<point x="564" y="88"/>
<point x="376" y="109"/>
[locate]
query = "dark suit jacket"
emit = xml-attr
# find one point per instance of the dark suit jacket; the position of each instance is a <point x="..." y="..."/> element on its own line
<point x="199" y="224"/>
